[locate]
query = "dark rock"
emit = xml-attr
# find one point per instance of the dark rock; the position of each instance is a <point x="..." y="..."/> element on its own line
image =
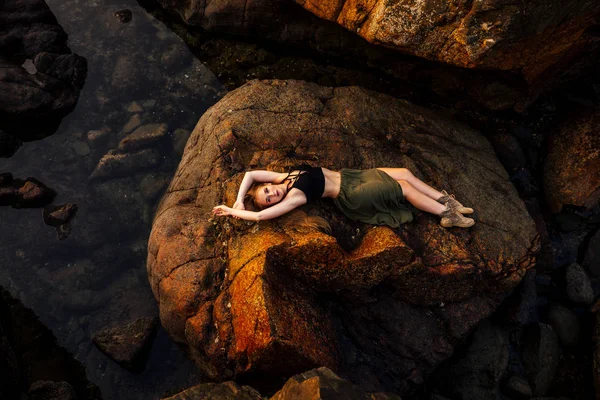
<point x="114" y="165"/>
<point x="517" y="388"/>
<point x="9" y="383"/>
<point x="144" y="136"/>
<point x="591" y="260"/>
<point x="526" y="309"/>
<point x="509" y="151"/>
<point x="8" y="144"/>
<point x="541" y="353"/>
<point x="40" y="359"/>
<point x="33" y="193"/>
<point x="130" y="344"/>
<point x="60" y="214"/>
<point x="7" y="195"/>
<point x="579" y="286"/>
<point x="49" y="390"/>
<point x="476" y="375"/>
<point x="123" y="16"/>
<point x="550" y="398"/>
<point x="6" y="179"/>
<point x="49" y="88"/>
<point x="525" y="183"/>
<point x="572" y="166"/>
<point x="566" y="247"/>
<point x="596" y="351"/>
<point x="217" y="391"/>
<point x="565" y="324"/>
<point x="323" y="384"/>
<point x="63" y="231"/>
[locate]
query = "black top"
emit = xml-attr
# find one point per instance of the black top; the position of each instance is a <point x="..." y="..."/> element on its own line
<point x="312" y="182"/>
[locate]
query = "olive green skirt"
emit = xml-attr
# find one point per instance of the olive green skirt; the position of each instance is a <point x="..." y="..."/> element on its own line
<point x="373" y="197"/>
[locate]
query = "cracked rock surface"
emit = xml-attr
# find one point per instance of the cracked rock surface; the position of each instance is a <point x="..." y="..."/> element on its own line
<point x="382" y="307"/>
<point x="537" y="39"/>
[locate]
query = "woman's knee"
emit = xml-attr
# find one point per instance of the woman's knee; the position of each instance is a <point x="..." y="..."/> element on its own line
<point x="406" y="174"/>
<point x="406" y="187"/>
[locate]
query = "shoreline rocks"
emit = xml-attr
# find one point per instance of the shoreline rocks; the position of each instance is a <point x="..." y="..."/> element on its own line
<point x="40" y="79"/>
<point x="247" y="300"/>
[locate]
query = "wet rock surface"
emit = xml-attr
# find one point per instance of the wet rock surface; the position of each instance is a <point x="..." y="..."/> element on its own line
<point x="128" y="345"/>
<point x="230" y="274"/>
<point x="40" y="79"/>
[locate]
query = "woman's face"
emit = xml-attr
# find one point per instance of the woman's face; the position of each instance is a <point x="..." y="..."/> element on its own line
<point x="269" y="195"/>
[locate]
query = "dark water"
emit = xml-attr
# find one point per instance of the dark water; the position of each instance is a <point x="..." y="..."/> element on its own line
<point x="138" y="73"/>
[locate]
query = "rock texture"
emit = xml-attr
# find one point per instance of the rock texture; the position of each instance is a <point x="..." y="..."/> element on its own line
<point x="39" y="76"/>
<point x="476" y="375"/>
<point x="382" y="307"/>
<point x="572" y="167"/>
<point x="529" y="44"/>
<point x="522" y="35"/>
<point x="128" y="345"/>
<point x="216" y="391"/>
<point x="28" y="193"/>
<point x="323" y="384"/>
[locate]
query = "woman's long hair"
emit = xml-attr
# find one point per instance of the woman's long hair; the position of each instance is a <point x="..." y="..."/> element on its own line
<point x="295" y="219"/>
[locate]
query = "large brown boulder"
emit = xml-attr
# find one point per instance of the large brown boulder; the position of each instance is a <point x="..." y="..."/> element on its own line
<point x="531" y="42"/>
<point x="381" y="306"/>
<point x="572" y="167"/>
<point x="530" y="36"/>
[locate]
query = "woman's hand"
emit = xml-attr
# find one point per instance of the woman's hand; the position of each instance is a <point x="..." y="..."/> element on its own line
<point x="239" y="205"/>
<point x="221" y="210"/>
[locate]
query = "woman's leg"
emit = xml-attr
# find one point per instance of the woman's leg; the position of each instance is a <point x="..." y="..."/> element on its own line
<point x="407" y="176"/>
<point x="419" y="199"/>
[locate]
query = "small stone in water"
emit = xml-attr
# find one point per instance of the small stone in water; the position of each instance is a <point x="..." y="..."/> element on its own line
<point x="134" y="107"/>
<point x="29" y="66"/>
<point x="58" y="215"/>
<point x="123" y="16"/>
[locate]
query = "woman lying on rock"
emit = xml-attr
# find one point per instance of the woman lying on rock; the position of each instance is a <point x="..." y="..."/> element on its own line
<point x="378" y="196"/>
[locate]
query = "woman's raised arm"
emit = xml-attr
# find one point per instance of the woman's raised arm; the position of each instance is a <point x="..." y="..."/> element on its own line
<point x="255" y="176"/>
<point x="284" y="206"/>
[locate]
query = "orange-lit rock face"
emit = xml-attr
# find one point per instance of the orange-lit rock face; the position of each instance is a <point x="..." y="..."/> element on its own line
<point x="572" y="168"/>
<point x="532" y="36"/>
<point x="262" y="299"/>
